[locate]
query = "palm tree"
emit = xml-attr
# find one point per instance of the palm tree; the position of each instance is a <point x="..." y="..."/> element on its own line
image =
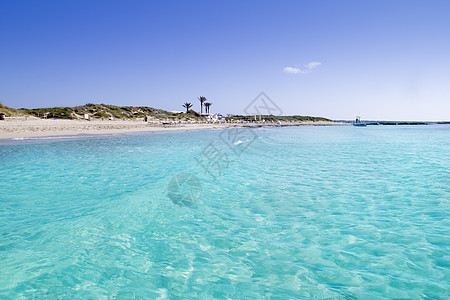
<point x="202" y="100"/>
<point x="187" y="105"/>
<point x="207" y="106"/>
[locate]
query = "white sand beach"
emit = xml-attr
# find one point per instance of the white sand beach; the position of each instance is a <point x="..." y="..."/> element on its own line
<point x="21" y="127"/>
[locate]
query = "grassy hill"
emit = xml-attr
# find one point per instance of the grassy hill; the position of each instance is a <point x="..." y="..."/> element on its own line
<point x="96" y="111"/>
<point x="10" y="112"/>
<point x="100" y="111"/>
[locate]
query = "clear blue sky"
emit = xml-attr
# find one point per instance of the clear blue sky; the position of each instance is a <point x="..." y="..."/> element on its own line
<point x="378" y="59"/>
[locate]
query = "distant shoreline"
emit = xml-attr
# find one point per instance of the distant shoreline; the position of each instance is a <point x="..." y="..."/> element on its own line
<point x="16" y="128"/>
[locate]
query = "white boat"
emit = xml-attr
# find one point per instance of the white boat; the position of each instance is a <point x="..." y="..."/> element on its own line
<point x="358" y="122"/>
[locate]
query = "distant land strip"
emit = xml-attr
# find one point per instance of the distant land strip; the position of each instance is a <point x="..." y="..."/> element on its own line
<point x="112" y="112"/>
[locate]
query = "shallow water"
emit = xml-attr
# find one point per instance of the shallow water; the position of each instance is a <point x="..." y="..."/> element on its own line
<point x="282" y="213"/>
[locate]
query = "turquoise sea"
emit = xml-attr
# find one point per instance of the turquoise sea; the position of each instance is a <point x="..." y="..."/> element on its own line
<point x="263" y="213"/>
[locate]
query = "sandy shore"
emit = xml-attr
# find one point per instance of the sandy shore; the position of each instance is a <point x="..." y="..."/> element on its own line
<point x="26" y="128"/>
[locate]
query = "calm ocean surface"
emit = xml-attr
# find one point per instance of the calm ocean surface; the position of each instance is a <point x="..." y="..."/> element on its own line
<point x="283" y="213"/>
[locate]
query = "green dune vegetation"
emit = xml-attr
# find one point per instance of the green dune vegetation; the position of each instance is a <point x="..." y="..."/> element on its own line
<point x="112" y="112"/>
<point x="101" y="111"/>
<point x="96" y="111"/>
<point x="10" y="112"/>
